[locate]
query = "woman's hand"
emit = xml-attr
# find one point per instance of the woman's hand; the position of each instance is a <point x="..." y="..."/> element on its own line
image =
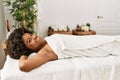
<point x="22" y="60"/>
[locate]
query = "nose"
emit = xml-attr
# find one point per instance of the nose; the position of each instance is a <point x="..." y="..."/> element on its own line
<point x="34" y="36"/>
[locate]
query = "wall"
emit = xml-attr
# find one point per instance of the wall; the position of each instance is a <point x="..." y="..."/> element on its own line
<point x="2" y="34"/>
<point x="110" y="23"/>
<point x="73" y="12"/>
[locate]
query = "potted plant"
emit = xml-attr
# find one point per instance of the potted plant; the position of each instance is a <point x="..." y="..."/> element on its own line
<point x="23" y="12"/>
<point x="88" y="24"/>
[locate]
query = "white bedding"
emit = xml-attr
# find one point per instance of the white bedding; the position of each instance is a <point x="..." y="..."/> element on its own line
<point x="76" y="68"/>
<point x="107" y="68"/>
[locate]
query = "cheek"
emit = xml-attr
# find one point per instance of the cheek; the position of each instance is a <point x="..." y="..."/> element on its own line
<point x="35" y="44"/>
<point x="30" y="46"/>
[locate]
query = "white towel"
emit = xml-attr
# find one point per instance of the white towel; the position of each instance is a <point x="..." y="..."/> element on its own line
<point x="61" y="43"/>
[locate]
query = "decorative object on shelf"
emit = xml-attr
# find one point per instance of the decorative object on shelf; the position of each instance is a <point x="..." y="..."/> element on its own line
<point x="67" y="27"/>
<point x="23" y="12"/>
<point x="91" y="32"/>
<point x="88" y="24"/>
<point x="59" y="29"/>
<point x="83" y="30"/>
<point x="85" y="27"/>
<point x="50" y="28"/>
<point x="59" y="32"/>
<point x="78" y="28"/>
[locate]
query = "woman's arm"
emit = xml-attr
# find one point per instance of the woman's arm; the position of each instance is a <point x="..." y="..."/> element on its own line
<point x="27" y="64"/>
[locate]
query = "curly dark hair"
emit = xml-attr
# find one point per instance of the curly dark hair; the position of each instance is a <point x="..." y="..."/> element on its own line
<point x="15" y="45"/>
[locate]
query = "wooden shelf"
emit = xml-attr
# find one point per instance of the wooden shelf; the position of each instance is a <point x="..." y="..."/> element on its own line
<point x="59" y="32"/>
<point x="91" y="32"/>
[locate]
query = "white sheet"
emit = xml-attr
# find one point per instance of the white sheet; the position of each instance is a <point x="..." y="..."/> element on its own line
<point x="92" y="45"/>
<point x="84" y="68"/>
<point x="97" y="68"/>
<point x="49" y="71"/>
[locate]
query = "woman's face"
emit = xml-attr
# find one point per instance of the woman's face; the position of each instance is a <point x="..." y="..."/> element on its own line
<point x="32" y="41"/>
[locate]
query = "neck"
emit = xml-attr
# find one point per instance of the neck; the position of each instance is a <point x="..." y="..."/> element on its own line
<point x="42" y="45"/>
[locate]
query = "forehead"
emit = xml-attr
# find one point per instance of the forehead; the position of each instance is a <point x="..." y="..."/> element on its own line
<point x="25" y="36"/>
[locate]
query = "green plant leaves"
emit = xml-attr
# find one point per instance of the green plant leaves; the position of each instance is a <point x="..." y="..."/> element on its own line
<point x="23" y="12"/>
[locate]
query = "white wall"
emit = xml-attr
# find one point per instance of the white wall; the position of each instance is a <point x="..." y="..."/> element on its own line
<point x="110" y="23"/>
<point x="73" y="12"/>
